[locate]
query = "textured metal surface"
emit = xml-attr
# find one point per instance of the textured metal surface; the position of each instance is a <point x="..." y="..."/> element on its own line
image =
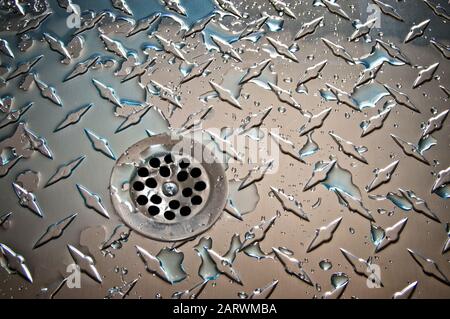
<point x="358" y="190"/>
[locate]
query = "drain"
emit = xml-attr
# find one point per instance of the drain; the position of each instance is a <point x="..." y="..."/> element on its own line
<point x="163" y="188"/>
<point x="156" y="186"/>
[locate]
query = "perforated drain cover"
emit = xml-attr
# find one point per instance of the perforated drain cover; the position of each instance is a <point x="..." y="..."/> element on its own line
<point x="168" y="188"/>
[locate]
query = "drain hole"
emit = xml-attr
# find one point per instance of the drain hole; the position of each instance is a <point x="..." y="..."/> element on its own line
<point x="196" y="200"/>
<point x="155" y="162"/>
<point x="174" y="204"/>
<point x="151" y="182"/>
<point x="155" y="199"/>
<point x="142" y="172"/>
<point x="153" y="210"/>
<point x="168" y="159"/>
<point x="169" y="215"/>
<point x="185" y="211"/>
<point x="182" y="176"/>
<point x="184" y="163"/>
<point x="196" y="172"/>
<point x="138" y="186"/>
<point x="199" y="186"/>
<point x="164" y="171"/>
<point x="187" y="192"/>
<point x="142" y="200"/>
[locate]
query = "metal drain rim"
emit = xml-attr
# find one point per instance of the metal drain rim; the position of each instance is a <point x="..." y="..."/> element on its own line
<point x="134" y="157"/>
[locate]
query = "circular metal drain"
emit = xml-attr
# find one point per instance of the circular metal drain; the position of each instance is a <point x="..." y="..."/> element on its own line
<point x="164" y="188"/>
